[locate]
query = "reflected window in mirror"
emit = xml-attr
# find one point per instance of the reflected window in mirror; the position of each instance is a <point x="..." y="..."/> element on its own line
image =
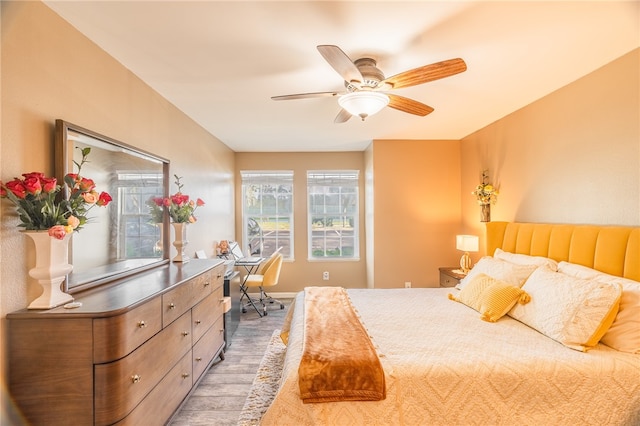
<point x="139" y="234"/>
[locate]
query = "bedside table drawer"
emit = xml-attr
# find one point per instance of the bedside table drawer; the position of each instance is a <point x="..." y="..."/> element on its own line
<point x="447" y="281"/>
<point x="449" y="278"/>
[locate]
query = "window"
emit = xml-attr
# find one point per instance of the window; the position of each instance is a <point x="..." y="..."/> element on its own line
<point x="267" y="212"/>
<point x="139" y="236"/>
<point x="333" y="214"/>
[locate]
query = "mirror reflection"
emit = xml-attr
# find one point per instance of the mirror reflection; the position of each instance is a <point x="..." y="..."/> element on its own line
<point x="124" y="237"/>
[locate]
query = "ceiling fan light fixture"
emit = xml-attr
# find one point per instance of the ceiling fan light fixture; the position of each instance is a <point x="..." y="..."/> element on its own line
<point x="364" y="103"/>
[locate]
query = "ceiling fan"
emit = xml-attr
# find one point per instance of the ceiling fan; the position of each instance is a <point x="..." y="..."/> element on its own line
<point x="367" y="87"/>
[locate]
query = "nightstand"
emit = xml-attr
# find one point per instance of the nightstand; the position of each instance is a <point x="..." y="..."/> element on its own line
<point x="449" y="278"/>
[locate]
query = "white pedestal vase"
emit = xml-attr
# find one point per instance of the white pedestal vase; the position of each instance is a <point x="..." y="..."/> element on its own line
<point x="180" y="241"/>
<point x="52" y="267"/>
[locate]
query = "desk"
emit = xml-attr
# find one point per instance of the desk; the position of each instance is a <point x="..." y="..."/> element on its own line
<point x="250" y="268"/>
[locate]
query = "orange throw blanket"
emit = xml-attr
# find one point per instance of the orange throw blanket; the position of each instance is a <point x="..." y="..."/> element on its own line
<point x="339" y="361"/>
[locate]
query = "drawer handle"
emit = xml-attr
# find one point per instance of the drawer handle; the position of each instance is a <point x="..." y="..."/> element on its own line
<point x="221" y="330"/>
<point x="135" y="378"/>
<point x="185" y="375"/>
<point x="185" y="333"/>
<point x="172" y="306"/>
<point x="219" y="276"/>
<point x="198" y="322"/>
<point x="142" y="324"/>
<point x="221" y="300"/>
<point x="198" y="359"/>
<point x="206" y="283"/>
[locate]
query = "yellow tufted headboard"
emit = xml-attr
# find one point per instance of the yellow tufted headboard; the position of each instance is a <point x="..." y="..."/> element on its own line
<point x="614" y="250"/>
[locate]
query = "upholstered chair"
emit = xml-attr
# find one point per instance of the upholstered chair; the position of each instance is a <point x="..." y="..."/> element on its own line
<point x="267" y="276"/>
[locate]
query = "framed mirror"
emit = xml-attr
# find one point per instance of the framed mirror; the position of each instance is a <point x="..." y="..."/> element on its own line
<point x="124" y="237"/>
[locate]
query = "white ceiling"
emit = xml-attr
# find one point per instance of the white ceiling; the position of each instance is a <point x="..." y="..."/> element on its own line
<point x="220" y="62"/>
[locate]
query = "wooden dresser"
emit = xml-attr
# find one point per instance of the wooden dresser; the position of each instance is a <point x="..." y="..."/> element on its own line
<point x="129" y="355"/>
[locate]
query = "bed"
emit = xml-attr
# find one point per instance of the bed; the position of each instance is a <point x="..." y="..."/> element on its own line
<point x="444" y="365"/>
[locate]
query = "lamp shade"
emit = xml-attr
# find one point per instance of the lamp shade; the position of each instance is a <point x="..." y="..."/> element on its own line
<point x="467" y="242"/>
<point x="364" y="103"/>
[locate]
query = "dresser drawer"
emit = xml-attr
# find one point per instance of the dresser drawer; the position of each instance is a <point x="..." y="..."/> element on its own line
<point x="50" y="351"/>
<point x="178" y="301"/>
<point x="205" y="313"/>
<point x="160" y="404"/>
<point x="117" y="336"/>
<point x="121" y="385"/>
<point x="207" y="347"/>
<point x="217" y="275"/>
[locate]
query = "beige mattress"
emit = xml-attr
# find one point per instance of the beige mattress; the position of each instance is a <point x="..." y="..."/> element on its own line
<point x="445" y="366"/>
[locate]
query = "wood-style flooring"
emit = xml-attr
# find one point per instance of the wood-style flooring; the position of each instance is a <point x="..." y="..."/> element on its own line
<point x="220" y="395"/>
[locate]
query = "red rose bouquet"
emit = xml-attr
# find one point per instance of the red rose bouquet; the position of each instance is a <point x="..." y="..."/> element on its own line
<point x="41" y="206"/>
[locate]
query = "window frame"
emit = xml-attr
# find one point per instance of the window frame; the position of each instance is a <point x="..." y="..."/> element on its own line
<point x="262" y="178"/>
<point x="347" y="178"/>
<point x="133" y="189"/>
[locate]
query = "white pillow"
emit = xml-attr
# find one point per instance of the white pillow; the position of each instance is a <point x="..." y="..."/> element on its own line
<point x="499" y="269"/>
<point x="624" y="333"/>
<point x="570" y="310"/>
<point x="525" y="259"/>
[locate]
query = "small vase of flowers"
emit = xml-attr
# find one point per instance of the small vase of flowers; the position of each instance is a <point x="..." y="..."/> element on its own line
<point x="486" y="194"/>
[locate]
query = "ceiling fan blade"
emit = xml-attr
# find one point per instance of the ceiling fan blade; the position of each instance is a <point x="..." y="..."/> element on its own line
<point x="305" y="96"/>
<point x="408" y="105"/>
<point x="343" y="116"/>
<point x="341" y="63"/>
<point x="425" y="74"/>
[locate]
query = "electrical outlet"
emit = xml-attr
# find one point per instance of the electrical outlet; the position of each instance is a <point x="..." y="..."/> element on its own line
<point x="325" y="275"/>
<point x="407" y="284"/>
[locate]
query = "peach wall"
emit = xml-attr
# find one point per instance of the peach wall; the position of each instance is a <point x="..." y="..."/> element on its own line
<point x="413" y="188"/>
<point x="570" y="157"/>
<point x="301" y="272"/>
<point x="416" y="204"/>
<point x="51" y="71"/>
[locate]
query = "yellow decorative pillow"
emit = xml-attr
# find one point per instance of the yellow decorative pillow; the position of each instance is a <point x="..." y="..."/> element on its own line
<point x="491" y="297"/>
<point x="498" y="299"/>
<point x="470" y="294"/>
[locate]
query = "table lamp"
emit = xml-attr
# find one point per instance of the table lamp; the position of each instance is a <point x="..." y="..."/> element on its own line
<point x="466" y="243"/>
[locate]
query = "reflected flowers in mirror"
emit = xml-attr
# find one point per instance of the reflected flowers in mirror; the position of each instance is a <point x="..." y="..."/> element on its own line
<point x="156" y="209"/>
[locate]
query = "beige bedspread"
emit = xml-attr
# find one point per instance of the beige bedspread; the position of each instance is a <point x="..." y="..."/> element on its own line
<point x="339" y="361"/>
<point x="445" y="366"/>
